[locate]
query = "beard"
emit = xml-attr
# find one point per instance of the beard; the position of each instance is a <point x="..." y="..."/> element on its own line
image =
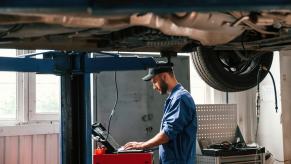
<point x="164" y="87"/>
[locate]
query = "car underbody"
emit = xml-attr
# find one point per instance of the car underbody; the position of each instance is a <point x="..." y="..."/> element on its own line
<point x="264" y="31"/>
<point x="238" y="41"/>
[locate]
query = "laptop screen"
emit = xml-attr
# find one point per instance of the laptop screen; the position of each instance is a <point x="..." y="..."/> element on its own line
<point x="108" y="141"/>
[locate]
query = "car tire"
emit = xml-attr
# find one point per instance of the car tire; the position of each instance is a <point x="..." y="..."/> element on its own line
<point x="226" y="71"/>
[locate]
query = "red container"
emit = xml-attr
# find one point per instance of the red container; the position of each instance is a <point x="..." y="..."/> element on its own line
<point x="100" y="151"/>
<point x="124" y="158"/>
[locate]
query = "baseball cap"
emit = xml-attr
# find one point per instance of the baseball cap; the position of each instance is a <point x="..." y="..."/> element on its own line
<point x="160" y="68"/>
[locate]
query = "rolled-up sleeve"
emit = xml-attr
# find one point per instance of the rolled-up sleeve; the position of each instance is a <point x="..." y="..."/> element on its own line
<point x="178" y="116"/>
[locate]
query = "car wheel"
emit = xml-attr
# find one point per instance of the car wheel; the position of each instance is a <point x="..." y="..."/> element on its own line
<point x="231" y="71"/>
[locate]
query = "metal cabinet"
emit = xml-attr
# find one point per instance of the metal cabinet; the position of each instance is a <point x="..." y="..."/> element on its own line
<point x="218" y="124"/>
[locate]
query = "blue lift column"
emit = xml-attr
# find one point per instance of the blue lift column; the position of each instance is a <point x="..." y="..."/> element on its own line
<point x="76" y="113"/>
<point x="74" y="69"/>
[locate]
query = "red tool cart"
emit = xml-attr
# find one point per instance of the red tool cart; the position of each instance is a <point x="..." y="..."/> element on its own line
<point x="124" y="158"/>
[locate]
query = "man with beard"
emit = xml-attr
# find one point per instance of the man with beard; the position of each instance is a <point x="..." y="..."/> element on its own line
<point x="177" y="136"/>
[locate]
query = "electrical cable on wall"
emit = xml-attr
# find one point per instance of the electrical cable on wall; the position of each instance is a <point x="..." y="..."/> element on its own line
<point x="274" y="85"/>
<point x="113" y="110"/>
<point x="258" y="102"/>
<point x="258" y="105"/>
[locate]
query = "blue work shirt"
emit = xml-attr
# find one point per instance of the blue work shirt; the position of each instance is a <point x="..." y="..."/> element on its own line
<point x="179" y="123"/>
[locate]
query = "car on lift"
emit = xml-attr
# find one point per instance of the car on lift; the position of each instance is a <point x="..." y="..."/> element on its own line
<point x="228" y="47"/>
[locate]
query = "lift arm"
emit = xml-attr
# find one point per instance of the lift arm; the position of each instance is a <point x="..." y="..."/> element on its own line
<point x="75" y="69"/>
<point x="55" y="62"/>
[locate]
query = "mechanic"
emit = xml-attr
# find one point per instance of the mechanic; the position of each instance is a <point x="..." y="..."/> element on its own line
<point x="177" y="136"/>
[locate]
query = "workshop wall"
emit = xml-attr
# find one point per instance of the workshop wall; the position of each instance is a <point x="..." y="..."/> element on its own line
<point x="285" y="67"/>
<point x="29" y="149"/>
<point x="245" y="103"/>
<point x="270" y="132"/>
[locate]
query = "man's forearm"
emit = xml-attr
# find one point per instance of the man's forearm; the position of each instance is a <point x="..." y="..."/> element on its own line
<point x="158" y="139"/>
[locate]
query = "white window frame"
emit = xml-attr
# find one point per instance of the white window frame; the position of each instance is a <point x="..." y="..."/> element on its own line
<point x="33" y="115"/>
<point x="26" y="101"/>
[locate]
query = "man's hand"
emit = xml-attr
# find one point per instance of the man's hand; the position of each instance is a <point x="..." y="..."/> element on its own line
<point x="157" y="140"/>
<point x="134" y="145"/>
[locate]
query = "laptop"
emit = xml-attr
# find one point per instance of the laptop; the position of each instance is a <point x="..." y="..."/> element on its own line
<point x="108" y="141"/>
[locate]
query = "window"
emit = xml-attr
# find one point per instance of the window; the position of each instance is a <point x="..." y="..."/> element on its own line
<point x="8" y="109"/>
<point x="45" y="94"/>
<point x="28" y="97"/>
<point x="45" y="100"/>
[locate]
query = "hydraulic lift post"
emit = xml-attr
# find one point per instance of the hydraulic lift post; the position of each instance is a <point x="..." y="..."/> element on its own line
<point x="74" y="69"/>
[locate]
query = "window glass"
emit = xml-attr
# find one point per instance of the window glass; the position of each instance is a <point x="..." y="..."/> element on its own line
<point x="8" y="107"/>
<point x="47" y="94"/>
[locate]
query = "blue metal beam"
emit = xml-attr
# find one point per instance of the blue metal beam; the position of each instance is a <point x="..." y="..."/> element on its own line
<point x="116" y="63"/>
<point x="27" y="65"/>
<point x="59" y="63"/>
<point x="130" y="6"/>
<point x="87" y="139"/>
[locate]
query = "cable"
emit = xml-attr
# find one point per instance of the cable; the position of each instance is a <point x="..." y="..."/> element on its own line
<point x="113" y="110"/>
<point x="274" y="85"/>
<point x="258" y="102"/>
<point x="258" y="107"/>
<point x="275" y="91"/>
<point x="14" y="28"/>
